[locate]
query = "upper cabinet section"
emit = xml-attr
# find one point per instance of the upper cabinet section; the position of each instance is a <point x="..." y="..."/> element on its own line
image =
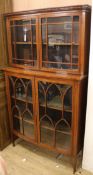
<point x="54" y="40"/>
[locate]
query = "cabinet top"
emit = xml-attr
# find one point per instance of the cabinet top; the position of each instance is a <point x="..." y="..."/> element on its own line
<point x="45" y="10"/>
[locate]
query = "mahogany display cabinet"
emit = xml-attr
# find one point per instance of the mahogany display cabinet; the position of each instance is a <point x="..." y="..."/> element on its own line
<point x="46" y="80"/>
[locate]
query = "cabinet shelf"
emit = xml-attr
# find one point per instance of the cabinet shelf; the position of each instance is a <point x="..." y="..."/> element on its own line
<point x="24" y="120"/>
<point x="22" y="25"/>
<point x="53" y="129"/>
<point x="60" y="44"/>
<point x="58" y="23"/>
<point x="55" y="104"/>
<point x="23" y="99"/>
<point x="17" y="42"/>
<point x="23" y="60"/>
<point x="59" y="108"/>
<point x="58" y="62"/>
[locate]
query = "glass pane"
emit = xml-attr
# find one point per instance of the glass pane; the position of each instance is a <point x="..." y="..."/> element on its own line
<point x="68" y="99"/>
<point x="47" y="136"/>
<point x="76" y="29"/>
<point x="75" y="54"/>
<point x="21" y="33"/>
<point x="33" y="33"/>
<point x="21" y="105"/>
<point x="44" y="52"/>
<point x="23" y="55"/>
<point x="59" y="19"/>
<point x="17" y="125"/>
<point x="27" y="115"/>
<point x="59" y="33"/>
<point x="58" y="57"/>
<point x="29" y="91"/>
<point x="28" y="129"/>
<point x="63" y="141"/>
<point x="22" y="22"/>
<point x="20" y="88"/>
<point x="34" y="53"/>
<point x="33" y="21"/>
<point x="44" y="33"/>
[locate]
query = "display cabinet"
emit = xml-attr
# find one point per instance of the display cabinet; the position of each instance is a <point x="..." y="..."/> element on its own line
<point x="47" y="77"/>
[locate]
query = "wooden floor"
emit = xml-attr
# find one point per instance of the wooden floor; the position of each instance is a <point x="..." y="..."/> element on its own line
<point x="26" y="159"/>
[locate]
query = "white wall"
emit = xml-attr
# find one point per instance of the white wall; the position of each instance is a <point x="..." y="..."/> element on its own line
<point x="20" y="5"/>
<point x="88" y="144"/>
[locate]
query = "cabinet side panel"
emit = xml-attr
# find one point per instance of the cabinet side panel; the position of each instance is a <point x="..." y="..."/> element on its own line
<point x="4" y="121"/>
<point x="82" y="112"/>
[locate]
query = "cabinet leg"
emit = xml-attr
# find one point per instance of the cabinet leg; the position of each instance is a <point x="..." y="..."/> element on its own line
<point x="13" y="140"/>
<point x="74" y="164"/>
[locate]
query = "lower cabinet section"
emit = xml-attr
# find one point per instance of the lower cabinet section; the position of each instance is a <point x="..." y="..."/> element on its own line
<point x="47" y="112"/>
<point x="55" y="114"/>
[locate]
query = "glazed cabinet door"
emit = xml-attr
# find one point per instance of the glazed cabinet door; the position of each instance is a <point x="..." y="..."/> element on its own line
<point x="22" y="103"/>
<point x="60" y="40"/>
<point x="55" y="105"/>
<point x="22" y="40"/>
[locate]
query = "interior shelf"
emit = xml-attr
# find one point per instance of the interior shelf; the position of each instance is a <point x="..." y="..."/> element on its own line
<point x="68" y="132"/>
<point x="15" y="42"/>
<point x="23" y="98"/>
<point x="55" y="104"/>
<point x="60" y="44"/>
<point x="25" y="120"/>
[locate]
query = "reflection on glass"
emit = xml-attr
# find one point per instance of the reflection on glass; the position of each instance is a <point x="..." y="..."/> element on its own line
<point x="44" y="33"/>
<point x="33" y="33"/>
<point x="75" y="54"/>
<point x="17" y="125"/>
<point x="46" y="136"/>
<point x="57" y="57"/>
<point x="28" y="129"/>
<point x="63" y="140"/>
<point x="20" y="88"/>
<point x="75" y="29"/>
<point x="59" y="19"/>
<point x="59" y="33"/>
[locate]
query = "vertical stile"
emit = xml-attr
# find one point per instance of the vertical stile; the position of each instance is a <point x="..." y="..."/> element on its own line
<point x="46" y="40"/>
<point x="31" y="42"/>
<point x="14" y="33"/>
<point x="72" y="42"/>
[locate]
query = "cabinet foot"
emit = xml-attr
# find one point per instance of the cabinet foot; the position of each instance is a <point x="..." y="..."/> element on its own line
<point x="74" y="164"/>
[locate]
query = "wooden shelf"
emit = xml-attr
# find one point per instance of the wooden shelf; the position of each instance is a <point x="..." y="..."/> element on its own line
<point x="59" y="23"/>
<point x="23" y="99"/>
<point x="54" y="130"/>
<point x="55" y="104"/>
<point x="59" y="62"/>
<point x="24" y="120"/>
<point x="22" y="25"/>
<point x="23" y="43"/>
<point x="61" y="44"/>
